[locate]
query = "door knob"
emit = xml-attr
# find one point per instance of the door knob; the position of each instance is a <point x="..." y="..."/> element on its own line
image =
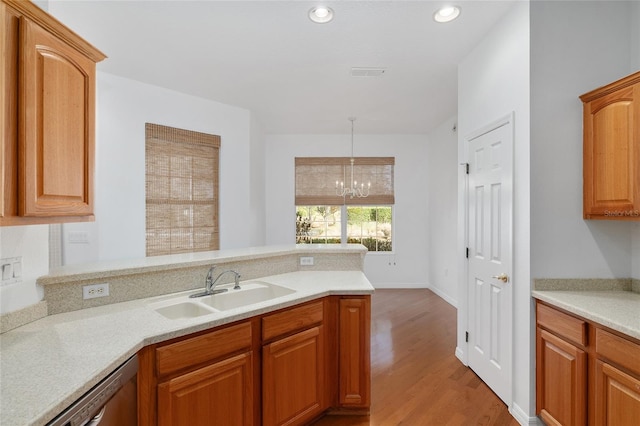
<point x="502" y="277"/>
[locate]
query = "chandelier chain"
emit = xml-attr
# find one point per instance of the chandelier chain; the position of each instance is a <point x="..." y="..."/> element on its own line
<point x="353" y="190"/>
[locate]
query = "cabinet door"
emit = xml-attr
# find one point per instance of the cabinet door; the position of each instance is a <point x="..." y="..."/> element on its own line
<point x="561" y="374"/>
<point x="612" y="155"/>
<point x="293" y="378"/>
<point x="56" y="126"/>
<point x="9" y="24"/>
<point x="354" y="347"/>
<point x="219" y="394"/>
<point x="617" y="397"/>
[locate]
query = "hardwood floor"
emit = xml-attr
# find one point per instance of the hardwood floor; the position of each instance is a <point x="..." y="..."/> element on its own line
<point x="416" y="378"/>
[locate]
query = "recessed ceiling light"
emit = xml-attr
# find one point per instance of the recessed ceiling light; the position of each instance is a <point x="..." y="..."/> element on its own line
<point x="321" y="14"/>
<point x="446" y="14"/>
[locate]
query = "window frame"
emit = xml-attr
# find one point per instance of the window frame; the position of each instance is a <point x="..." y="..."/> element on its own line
<point x="344" y="224"/>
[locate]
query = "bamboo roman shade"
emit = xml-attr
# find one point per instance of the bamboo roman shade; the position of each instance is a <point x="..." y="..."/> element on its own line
<point x="316" y="180"/>
<point x="181" y="190"/>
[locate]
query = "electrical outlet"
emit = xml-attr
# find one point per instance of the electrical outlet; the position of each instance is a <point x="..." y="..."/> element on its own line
<point x="306" y="260"/>
<point x="95" y="290"/>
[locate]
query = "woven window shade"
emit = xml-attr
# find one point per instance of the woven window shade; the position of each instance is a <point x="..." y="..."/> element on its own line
<point x="181" y="190"/>
<point x="316" y="180"/>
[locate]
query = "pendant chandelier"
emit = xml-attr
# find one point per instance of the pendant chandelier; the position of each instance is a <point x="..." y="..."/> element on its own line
<point x="352" y="190"/>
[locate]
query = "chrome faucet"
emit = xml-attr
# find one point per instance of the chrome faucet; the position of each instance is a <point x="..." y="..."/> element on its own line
<point x="210" y="283"/>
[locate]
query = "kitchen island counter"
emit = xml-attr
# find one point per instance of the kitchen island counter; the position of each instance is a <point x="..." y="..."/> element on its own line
<point x="47" y="364"/>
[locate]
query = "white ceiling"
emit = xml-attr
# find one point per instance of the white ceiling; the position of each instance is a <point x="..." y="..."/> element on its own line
<point x="293" y="74"/>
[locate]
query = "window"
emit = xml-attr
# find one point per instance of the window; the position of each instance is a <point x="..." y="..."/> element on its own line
<point x="366" y="225"/>
<point x="181" y="190"/>
<point x="318" y="224"/>
<point x="370" y="226"/>
<point x="320" y="212"/>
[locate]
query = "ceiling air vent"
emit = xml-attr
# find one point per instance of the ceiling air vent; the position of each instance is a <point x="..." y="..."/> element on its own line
<point x="367" y="72"/>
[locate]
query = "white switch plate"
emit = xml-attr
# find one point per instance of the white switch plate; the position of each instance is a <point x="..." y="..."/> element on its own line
<point x="10" y="270"/>
<point x="306" y="260"/>
<point x="95" y="290"/>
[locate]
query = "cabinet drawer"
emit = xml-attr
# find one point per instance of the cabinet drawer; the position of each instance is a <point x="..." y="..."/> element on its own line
<point x="200" y="349"/>
<point x="569" y="327"/>
<point x="292" y="320"/>
<point x="618" y="350"/>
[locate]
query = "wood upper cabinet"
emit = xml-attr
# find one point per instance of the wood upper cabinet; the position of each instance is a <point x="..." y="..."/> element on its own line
<point x="47" y="113"/>
<point x="611" y="156"/>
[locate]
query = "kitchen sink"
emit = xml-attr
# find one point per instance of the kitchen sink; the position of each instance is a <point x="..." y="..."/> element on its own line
<point x="182" y="310"/>
<point x="181" y="306"/>
<point x="249" y="293"/>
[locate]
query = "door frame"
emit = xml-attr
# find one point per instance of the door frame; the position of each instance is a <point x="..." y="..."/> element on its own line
<point x="462" y="347"/>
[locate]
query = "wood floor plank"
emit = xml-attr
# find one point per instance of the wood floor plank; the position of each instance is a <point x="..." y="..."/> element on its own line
<point x="416" y="378"/>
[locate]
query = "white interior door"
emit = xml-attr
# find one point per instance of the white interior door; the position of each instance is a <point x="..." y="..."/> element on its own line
<point x="490" y="294"/>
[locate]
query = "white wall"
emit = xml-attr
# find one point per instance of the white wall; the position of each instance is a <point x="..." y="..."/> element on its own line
<point x="634" y="16"/>
<point x="407" y="266"/>
<point x="635" y="66"/>
<point x="124" y="106"/>
<point x="442" y="177"/>
<point x="257" y="200"/>
<point x="568" y="61"/>
<point x="32" y="243"/>
<point x="493" y="81"/>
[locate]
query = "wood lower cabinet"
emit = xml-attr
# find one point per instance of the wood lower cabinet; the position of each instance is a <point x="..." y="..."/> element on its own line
<point x="354" y="352"/>
<point x="283" y="368"/>
<point x="205" y="379"/>
<point x="617" y="396"/>
<point x="47" y="118"/>
<point x="218" y="394"/>
<point x="294" y="364"/>
<point x="586" y="374"/>
<point x="293" y="388"/>
<point x="561" y="381"/>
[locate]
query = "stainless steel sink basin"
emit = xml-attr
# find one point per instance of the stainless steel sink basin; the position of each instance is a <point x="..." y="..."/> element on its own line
<point x="183" y="310"/>
<point x="250" y="292"/>
<point x="181" y="306"/>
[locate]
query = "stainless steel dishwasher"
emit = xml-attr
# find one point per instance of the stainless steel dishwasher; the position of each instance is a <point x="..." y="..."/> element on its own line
<point x="111" y="402"/>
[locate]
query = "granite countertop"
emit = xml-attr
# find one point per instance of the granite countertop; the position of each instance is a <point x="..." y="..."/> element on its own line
<point x="616" y="309"/>
<point x="48" y="364"/>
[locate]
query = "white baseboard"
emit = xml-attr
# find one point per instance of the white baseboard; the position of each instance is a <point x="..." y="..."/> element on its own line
<point x="460" y="355"/>
<point x="522" y="417"/>
<point x="400" y="285"/>
<point x="450" y="300"/>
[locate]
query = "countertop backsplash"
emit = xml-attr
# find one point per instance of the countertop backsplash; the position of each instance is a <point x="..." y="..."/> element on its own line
<point x="132" y="279"/>
<point x="586" y="284"/>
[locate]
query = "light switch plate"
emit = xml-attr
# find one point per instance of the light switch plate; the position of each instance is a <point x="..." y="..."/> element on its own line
<point x="10" y="270"/>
